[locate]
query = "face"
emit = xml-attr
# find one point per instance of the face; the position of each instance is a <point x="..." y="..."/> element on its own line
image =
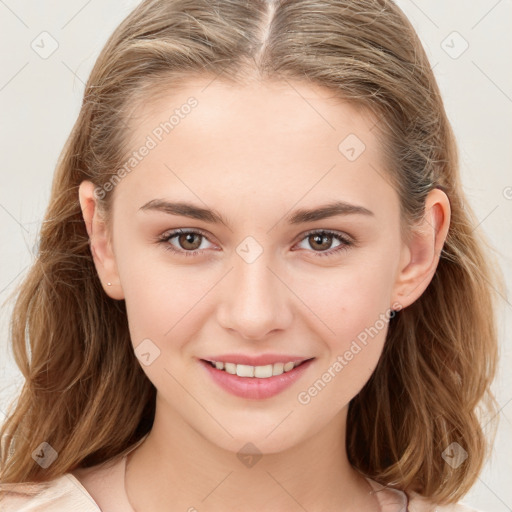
<point x="267" y="280"/>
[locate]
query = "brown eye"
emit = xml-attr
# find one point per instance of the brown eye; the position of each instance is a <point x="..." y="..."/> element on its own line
<point x="186" y="243"/>
<point x="320" y="241"/>
<point x="190" y="241"/>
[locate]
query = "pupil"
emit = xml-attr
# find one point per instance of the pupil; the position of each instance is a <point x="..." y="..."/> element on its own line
<point x="188" y="239"/>
<point x="318" y="239"/>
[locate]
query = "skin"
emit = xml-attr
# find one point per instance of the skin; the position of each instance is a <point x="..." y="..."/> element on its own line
<point x="291" y="299"/>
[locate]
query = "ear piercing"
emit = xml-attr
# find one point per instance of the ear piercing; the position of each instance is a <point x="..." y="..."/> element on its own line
<point x="109" y="284"/>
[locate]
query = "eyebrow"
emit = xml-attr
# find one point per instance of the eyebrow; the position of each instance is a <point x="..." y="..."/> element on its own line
<point x="299" y="216"/>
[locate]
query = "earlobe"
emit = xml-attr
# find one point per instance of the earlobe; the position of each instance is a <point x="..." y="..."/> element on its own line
<point x="99" y="241"/>
<point x="421" y="253"/>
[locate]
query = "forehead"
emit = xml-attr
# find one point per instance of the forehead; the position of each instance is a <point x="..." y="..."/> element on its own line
<point x="288" y="108"/>
<point x="261" y="140"/>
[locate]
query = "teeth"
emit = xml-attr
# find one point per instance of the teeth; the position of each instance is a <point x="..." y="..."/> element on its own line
<point x="288" y="367"/>
<point x="260" y="372"/>
<point x="264" y="372"/>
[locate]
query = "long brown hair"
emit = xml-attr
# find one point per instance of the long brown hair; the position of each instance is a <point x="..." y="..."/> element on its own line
<point x="85" y="393"/>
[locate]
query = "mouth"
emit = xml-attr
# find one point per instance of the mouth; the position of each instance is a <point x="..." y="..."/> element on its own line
<point x="255" y="382"/>
<point x="259" y="372"/>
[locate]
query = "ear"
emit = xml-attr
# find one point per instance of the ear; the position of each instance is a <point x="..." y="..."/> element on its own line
<point x="100" y="241"/>
<point x="421" y="252"/>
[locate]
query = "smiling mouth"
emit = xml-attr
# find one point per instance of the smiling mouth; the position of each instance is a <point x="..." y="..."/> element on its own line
<point x="257" y="372"/>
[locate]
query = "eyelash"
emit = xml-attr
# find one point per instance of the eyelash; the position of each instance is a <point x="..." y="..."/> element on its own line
<point x="345" y="241"/>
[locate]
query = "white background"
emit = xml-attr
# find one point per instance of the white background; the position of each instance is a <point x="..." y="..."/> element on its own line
<point x="40" y="99"/>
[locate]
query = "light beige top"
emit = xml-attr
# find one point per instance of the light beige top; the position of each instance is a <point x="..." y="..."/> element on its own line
<point x="101" y="489"/>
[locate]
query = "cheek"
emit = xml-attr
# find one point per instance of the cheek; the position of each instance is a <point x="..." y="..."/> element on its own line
<point x="351" y="297"/>
<point x="356" y="312"/>
<point x="157" y="294"/>
<point x="162" y="301"/>
<point x="353" y="303"/>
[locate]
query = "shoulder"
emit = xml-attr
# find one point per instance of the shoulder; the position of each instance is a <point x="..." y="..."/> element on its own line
<point x="60" y="494"/>
<point x="91" y="489"/>
<point x="419" y="504"/>
<point x="395" y="500"/>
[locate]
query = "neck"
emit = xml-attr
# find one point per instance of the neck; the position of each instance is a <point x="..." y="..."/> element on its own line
<point x="176" y="465"/>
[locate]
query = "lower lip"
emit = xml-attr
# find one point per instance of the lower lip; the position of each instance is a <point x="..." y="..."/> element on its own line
<point x="253" y="387"/>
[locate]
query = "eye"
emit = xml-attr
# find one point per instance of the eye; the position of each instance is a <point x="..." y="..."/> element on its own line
<point x="322" y="239"/>
<point x="189" y="240"/>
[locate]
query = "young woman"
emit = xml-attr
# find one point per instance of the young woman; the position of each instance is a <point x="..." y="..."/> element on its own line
<point x="258" y="284"/>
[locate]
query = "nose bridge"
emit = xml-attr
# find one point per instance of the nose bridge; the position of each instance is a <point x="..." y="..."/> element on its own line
<point x="255" y="302"/>
<point x="254" y="280"/>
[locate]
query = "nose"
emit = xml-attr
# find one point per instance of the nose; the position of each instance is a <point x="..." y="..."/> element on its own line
<point x="255" y="300"/>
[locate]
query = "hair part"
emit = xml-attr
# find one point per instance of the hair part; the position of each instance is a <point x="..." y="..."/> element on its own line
<point x="85" y="392"/>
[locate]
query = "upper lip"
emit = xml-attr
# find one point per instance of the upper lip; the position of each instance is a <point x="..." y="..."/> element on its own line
<point x="260" y="360"/>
